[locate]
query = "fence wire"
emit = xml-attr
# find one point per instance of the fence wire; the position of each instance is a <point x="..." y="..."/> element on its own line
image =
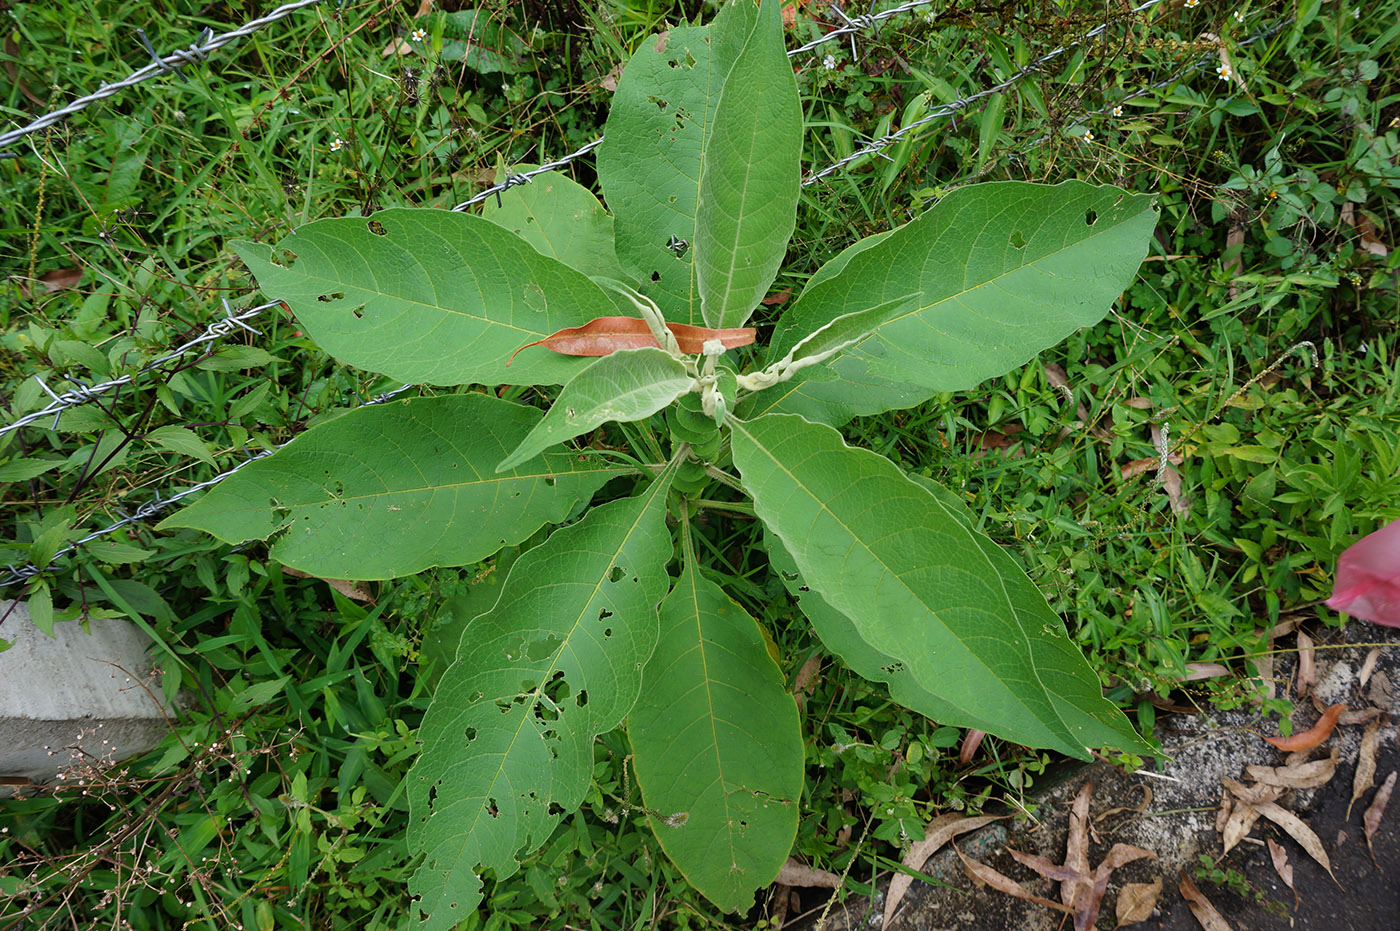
<point x="170" y="64"/>
<point x="853" y="25"/>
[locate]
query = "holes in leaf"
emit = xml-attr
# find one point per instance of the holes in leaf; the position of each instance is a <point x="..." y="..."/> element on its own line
<point x="893" y="669"/>
<point x="790" y="576"/>
<point x="555" y="809"/>
<point x="690" y="59"/>
<point x="1017" y="240"/>
<point x="333" y="296"/>
<point x="286" y="258"/>
<point x="1090" y="217"/>
<point x="491" y="808"/>
<point x="469" y="734"/>
<point x="616" y="574"/>
<point x="377" y="228"/>
<point x="582" y="698"/>
<point x="604" y="614"/>
<point x="358" y="311"/>
<point x="661" y="103"/>
<point x="550" y="481"/>
<point x="804" y="588"/>
<point x="655" y="276"/>
<point x="607" y="632"/>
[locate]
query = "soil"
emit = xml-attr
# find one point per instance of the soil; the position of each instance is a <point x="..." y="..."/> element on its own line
<point x="1171" y="810"/>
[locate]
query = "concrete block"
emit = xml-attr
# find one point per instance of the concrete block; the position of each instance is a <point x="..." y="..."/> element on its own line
<point x="64" y="704"/>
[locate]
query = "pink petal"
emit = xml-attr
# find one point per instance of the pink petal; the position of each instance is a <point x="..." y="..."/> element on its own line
<point x="1368" y="578"/>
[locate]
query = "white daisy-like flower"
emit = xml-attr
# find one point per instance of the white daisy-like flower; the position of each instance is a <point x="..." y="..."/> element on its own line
<point x="1224" y="72"/>
<point x="1118" y="110"/>
<point x="1088" y="137"/>
<point x="1239" y="17"/>
<point x="829" y="63"/>
<point x="419" y="35"/>
<point x="337" y="144"/>
<point x="1192" y="4"/>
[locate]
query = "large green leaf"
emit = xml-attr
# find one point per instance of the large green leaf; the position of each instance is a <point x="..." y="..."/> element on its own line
<point x="1006" y="270"/>
<point x="391" y="489"/>
<point x="716" y="745"/>
<point x="624" y="386"/>
<point x="750" y="173"/>
<point x="428" y="296"/>
<point x="561" y="219"/>
<point x="923" y="588"/>
<point x="649" y="162"/>
<point x="508" y="740"/>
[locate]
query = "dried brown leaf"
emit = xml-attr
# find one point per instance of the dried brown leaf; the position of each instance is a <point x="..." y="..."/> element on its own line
<point x="794" y="873"/>
<point x="1363" y="715"/>
<point x="1299" y="831"/>
<point x="1365" y="764"/>
<point x="971" y="741"/>
<point x="1222" y="814"/>
<point x="1252" y="794"/>
<point x="1308" y="775"/>
<point x="1313" y="736"/>
<point x="1282" y="867"/>
<point x="1307" y="666"/>
<point x="1372" y="818"/>
<point x="1368" y="667"/>
<point x="1136" y="902"/>
<point x="984" y="875"/>
<point x="939" y="831"/>
<point x="1205" y="913"/>
<point x="603" y="336"/>
<point x="806" y="676"/>
<point x="355" y="591"/>
<point x="1239" y="824"/>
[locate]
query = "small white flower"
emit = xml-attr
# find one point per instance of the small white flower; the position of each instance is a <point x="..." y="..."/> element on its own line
<point x="1192" y="4"/>
<point x="1224" y="72"/>
<point x="505" y="88"/>
<point x="829" y="63"/>
<point x="337" y="144"/>
<point x="1356" y="13"/>
<point x="1239" y="17"/>
<point x="419" y="35"/>
<point x="1088" y="137"/>
<point x="1118" y="110"/>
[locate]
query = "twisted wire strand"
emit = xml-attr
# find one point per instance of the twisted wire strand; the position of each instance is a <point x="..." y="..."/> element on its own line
<point x="197" y="52"/>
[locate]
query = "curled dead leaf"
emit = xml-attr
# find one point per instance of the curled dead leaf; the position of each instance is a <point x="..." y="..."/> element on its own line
<point x="971" y="741"/>
<point x="984" y="875"/>
<point x="1372" y="818"/>
<point x="1365" y="764"/>
<point x="1313" y="736"/>
<point x="1308" y="775"/>
<point x="1205" y="913"/>
<point x="1307" y="667"/>
<point x="1368" y="667"/>
<point x="1296" y="829"/>
<point x="939" y="831"/>
<point x="1282" y="867"/>
<point x="355" y="591"/>
<point x="1136" y="902"/>
<point x="794" y="873"/>
<point x="603" y="336"/>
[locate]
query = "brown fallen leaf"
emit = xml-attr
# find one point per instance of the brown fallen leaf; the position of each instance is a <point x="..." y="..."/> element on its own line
<point x="1243" y="815"/>
<point x="794" y="873"/>
<point x="777" y="297"/>
<point x="1368" y="667"/>
<point x="603" y="336"/>
<point x="355" y="591"/>
<point x="1139" y="466"/>
<point x="1307" y="667"/>
<point x="1308" y="775"/>
<point x="939" y="831"/>
<point x="971" y="741"/>
<point x="1365" y="764"/>
<point x="1311" y="737"/>
<point x="1136" y="902"/>
<point x="1299" y="831"/>
<point x="802" y="682"/>
<point x="1170" y="478"/>
<point x="1282" y="867"/>
<point x="1362" y="715"/>
<point x="1205" y="913"/>
<point x="1372" y="818"/>
<point x="1080" y="889"/>
<point x="984" y="875"/>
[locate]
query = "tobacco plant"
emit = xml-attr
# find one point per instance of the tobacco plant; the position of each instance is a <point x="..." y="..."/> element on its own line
<point x="615" y="619"/>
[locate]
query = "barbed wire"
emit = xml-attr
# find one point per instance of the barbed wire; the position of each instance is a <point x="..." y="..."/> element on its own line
<point x="159" y="502"/>
<point x="82" y="394"/>
<point x="170" y="64"/>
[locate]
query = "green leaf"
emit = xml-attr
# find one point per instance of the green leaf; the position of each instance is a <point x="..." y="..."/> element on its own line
<point x="750" y="173"/>
<point x="22" y="470"/>
<point x="842" y="332"/>
<point x="183" y="441"/>
<point x="561" y="219"/>
<point x="259" y="693"/>
<point x="428" y="296"/>
<point x="717" y="745"/>
<point x="390" y="489"/>
<point x="1005" y="270"/>
<point x="627" y="385"/>
<point x="924" y="589"/>
<point x="40" y="604"/>
<point x="117" y="553"/>
<point x="482" y="42"/>
<point x="508" y="740"/>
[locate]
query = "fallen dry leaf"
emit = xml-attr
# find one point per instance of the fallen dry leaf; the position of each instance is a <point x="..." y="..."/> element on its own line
<point x="1282" y="867"/>
<point x="1362" y="715"/>
<point x="1372" y="819"/>
<point x="1307" y="667"/>
<point x="1136" y="902"/>
<point x="1368" y="667"/>
<point x="1139" y="466"/>
<point x="802" y="682"/>
<point x="1308" y="775"/>
<point x="1205" y="913"/>
<point x="1299" y="831"/>
<point x="1243" y="815"/>
<point x="971" y="741"/>
<point x="777" y="297"/>
<point x="1311" y="737"/>
<point x="1170" y="478"/>
<point x="1080" y="889"/>
<point x="603" y="336"/>
<point x="984" y="875"/>
<point x="939" y="831"/>
<point x="794" y="873"/>
<point x="355" y="591"/>
<point x="1365" y="764"/>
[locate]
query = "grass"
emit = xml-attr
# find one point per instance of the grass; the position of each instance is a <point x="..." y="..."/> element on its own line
<point x="1259" y="345"/>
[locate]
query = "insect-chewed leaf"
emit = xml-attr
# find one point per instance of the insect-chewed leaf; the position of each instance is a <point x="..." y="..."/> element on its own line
<point x="625" y="386"/>
<point x="717" y="745"/>
<point x="924" y="589"/>
<point x="390" y="489"/>
<point x="607" y="335"/>
<point x="508" y="740"/>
